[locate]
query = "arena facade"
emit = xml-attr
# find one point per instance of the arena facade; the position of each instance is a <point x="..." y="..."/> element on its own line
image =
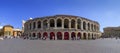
<point x="61" y="27"/>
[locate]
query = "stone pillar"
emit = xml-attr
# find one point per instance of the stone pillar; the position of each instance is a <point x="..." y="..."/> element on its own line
<point x="76" y="24"/>
<point x="48" y="24"/>
<point x="89" y="27"/>
<point x="62" y="35"/>
<point x="69" y="24"/>
<point x="55" y="24"/>
<point x="86" y="26"/>
<point x="81" y="25"/>
<point x="62" y="24"/>
<point x="81" y="35"/>
<point x="41" y="24"/>
<point x="69" y="35"/>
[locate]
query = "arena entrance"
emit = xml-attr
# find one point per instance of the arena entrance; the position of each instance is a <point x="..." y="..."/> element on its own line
<point x="84" y="36"/>
<point x="39" y="35"/>
<point x="52" y="36"/>
<point x="73" y="36"/>
<point x="33" y="35"/>
<point x="59" y="36"/>
<point x="79" y="36"/>
<point x="45" y="35"/>
<point x="66" y="36"/>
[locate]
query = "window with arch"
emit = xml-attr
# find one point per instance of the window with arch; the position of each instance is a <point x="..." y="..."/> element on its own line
<point x="72" y="23"/>
<point x="84" y="25"/>
<point x="39" y="24"/>
<point x="45" y="24"/>
<point x="59" y="23"/>
<point x="34" y="25"/>
<point x="92" y="27"/>
<point x="78" y="24"/>
<point x="66" y="23"/>
<point x="52" y="23"/>
<point x="88" y="26"/>
<point x="30" y="26"/>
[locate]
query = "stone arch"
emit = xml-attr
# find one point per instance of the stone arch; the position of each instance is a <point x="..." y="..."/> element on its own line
<point x="33" y="35"/>
<point x="39" y="35"/>
<point x="52" y="36"/>
<point x="88" y="26"/>
<point x="59" y="23"/>
<point x="39" y="24"/>
<point x="59" y="35"/>
<point x="72" y="23"/>
<point x="84" y="36"/>
<point x="66" y="23"/>
<point x="79" y="35"/>
<point x="88" y="35"/>
<point x="34" y="25"/>
<point x="73" y="36"/>
<point x="66" y="36"/>
<point x="84" y="25"/>
<point x="52" y="23"/>
<point x="45" y="36"/>
<point x="78" y="24"/>
<point x="45" y="24"/>
<point x="92" y="27"/>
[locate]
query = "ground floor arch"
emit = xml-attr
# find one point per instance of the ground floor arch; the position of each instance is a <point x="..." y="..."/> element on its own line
<point x="73" y="36"/>
<point x="59" y="35"/>
<point x="66" y="36"/>
<point x="45" y="36"/>
<point x="52" y="36"/>
<point x="79" y="35"/>
<point x="84" y="36"/>
<point x="39" y="35"/>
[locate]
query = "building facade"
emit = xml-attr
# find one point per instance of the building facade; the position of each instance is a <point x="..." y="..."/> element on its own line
<point x="111" y="32"/>
<point x="61" y="27"/>
<point x="9" y="30"/>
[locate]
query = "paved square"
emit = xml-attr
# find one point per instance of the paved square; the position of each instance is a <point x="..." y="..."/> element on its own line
<point x="60" y="46"/>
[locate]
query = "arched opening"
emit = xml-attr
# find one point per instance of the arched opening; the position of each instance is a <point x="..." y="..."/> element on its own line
<point x="39" y="24"/>
<point x="30" y="26"/>
<point x="59" y="36"/>
<point x="88" y="35"/>
<point x="33" y="35"/>
<point x="59" y="23"/>
<point x="45" y="24"/>
<point x="66" y="23"/>
<point x="52" y="36"/>
<point x="92" y="36"/>
<point x="39" y="35"/>
<point x="72" y="23"/>
<point x="88" y="26"/>
<point x="52" y="23"/>
<point x="92" y="27"/>
<point x="79" y="36"/>
<point x="84" y="35"/>
<point x="78" y="24"/>
<point x="73" y="36"/>
<point x="84" y="25"/>
<point x="34" y="25"/>
<point x="45" y="35"/>
<point x="66" y="36"/>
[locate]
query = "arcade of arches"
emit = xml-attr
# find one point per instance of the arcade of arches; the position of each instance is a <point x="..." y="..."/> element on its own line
<point x="62" y="27"/>
<point x="64" y="35"/>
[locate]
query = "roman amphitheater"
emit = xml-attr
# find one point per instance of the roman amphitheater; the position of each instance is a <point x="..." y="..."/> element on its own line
<point x="61" y="27"/>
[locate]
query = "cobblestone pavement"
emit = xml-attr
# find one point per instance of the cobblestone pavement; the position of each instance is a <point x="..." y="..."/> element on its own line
<point x="60" y="46"/>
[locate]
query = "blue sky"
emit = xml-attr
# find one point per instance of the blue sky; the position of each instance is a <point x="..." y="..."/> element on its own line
<point x="106" y="12"/>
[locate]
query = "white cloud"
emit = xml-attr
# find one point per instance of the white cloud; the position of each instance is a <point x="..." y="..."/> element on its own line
<point x="1" y="27"/>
